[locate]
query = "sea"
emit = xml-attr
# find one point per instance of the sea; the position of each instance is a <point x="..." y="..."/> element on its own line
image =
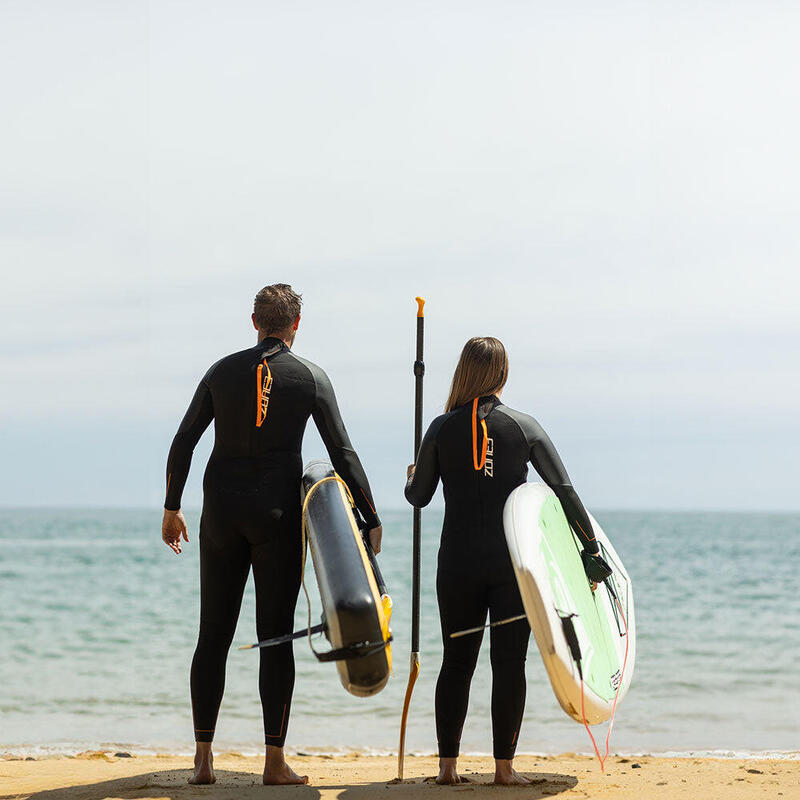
<point x="98" y="622"/>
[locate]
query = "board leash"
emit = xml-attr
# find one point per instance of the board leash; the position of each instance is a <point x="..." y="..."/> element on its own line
<point x="602" y="759"/>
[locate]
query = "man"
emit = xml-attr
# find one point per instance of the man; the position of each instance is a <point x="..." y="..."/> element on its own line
<point x="260" y="400"/>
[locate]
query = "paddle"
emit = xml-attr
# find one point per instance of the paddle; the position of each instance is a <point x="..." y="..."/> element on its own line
<point x="419" y="371"/>
<point x="288" y="637"/>
<point x="480" y="628"/>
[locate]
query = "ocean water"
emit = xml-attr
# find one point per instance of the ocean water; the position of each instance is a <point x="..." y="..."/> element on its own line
<point x="98" y="621"/>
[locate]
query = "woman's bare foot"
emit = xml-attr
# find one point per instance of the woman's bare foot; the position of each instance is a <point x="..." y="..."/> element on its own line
<point x="277" y="772"/>
<point x="448" y="773"/>
<point x="203" y="765"/>
<point x="506" y="775"/>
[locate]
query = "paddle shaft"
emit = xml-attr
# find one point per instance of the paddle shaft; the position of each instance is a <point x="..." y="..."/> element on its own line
<point x="419" y="373"/>
<point x="289" y="637"/>
<point x="481" y="628"/>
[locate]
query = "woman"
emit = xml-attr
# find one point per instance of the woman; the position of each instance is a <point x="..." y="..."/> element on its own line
<point x="481" y="449"/>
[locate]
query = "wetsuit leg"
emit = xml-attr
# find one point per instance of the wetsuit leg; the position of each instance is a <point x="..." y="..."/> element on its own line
<point x="463" y="603"/>
<point x="224" y="566"/>
<point x="276" y="571"/>
<point x="508" y="649"/>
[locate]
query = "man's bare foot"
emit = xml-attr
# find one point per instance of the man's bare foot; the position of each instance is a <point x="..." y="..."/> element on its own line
<point x="277" y="772"/>
<point x="448" y="772"/>
<point x="506" y="775"/>
<point x="203" y="765"/>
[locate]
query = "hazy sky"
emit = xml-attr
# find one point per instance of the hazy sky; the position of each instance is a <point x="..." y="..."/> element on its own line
<point x="611" y="188"/>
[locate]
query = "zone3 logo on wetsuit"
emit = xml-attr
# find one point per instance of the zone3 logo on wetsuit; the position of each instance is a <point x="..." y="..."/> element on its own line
<point x="488" y="469"/>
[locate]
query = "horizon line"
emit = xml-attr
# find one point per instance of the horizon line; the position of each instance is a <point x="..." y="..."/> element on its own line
<point x="407" y="509"/>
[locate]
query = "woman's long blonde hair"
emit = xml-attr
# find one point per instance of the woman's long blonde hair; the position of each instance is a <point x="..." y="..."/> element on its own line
<point x="482" y="369"/>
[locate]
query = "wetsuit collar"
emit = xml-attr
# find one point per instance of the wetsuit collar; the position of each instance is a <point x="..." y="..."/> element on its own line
<point x="272" y="345"/>
<point x="486" y="403"/>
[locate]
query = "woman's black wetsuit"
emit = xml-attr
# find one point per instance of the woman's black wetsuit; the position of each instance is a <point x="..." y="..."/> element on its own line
<point x="260" y="400"/>
<point x="475" y="572"/>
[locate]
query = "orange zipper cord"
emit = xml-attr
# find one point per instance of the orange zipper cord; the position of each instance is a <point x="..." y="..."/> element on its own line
<point x="262" y="392"/>
<point x="477" y="465"/>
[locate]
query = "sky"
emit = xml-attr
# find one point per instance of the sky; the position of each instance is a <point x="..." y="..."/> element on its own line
<point x="611" y="189"/>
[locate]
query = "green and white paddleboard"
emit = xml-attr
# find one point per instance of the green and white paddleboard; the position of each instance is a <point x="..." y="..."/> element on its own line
<point x="554" y="587"/>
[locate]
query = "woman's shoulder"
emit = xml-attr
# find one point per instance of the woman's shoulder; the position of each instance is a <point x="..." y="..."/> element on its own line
<point x="439" y="422"/>
<point x="527" y="424"/>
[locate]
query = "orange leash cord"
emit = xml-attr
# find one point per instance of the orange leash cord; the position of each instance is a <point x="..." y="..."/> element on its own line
<point x="475" y="437"/>
<point x="602" y="759"/>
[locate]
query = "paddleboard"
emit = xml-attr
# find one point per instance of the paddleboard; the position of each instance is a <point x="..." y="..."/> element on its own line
<point x="355" y="608"/>
<point x="563" y="609"/>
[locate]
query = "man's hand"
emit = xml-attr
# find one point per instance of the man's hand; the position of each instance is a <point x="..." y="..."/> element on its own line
<point x="173" y="527"/>
<point x="375" y="536"/>
<point x="410" y="470"/>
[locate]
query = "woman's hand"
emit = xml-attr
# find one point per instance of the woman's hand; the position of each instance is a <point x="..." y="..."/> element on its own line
<point x="172" y="528"/>
<point x="410" y="471"/>
<point x="596" y="567"/>
<point x="375" y="536"/>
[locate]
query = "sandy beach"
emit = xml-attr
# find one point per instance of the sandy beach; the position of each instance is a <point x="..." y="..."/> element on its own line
<point x="96" y="776"/>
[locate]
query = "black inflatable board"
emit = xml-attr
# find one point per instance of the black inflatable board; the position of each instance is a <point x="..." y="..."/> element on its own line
<point x="351" y="600"/>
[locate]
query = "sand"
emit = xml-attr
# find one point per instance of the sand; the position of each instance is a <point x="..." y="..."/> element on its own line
<point x="95" y="776"/>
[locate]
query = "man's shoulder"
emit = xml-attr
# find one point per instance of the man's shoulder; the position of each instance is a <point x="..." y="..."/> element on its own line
<point x="306" y="362"/>
<point x="230" y="360"/>
<point x="315" y="371"/>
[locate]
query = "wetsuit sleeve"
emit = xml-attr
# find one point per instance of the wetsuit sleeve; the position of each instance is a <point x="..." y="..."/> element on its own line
<point x="197" y="418"/>
<point x="344" y="459"/>
<point x="422" y="484"/>
<point x="548" y="464"/>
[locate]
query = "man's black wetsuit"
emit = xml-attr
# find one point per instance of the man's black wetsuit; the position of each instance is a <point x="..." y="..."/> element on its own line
<point x="475" y="572"/>
<point x="260" y="400"/>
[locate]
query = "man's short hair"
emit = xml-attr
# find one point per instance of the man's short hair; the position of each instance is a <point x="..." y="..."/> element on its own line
<point x="276" y="307"/>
